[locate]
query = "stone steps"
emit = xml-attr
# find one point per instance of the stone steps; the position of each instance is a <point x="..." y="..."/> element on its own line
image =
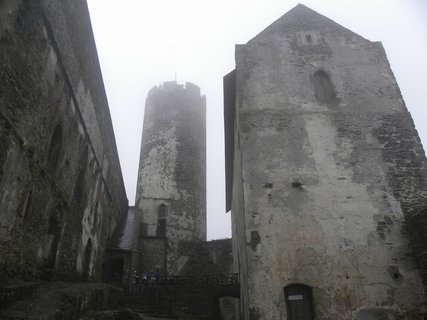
<point x="148" y="310"/>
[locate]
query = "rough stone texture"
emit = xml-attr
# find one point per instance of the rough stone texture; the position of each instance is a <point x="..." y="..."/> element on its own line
<point x="211" y="257"/>
<point x="68" y="301"/>
<point x="172" y="168"/>
<point x="194" y="257"/>
<point x="327" y="167"/>
<point x="205" y="301"/>
<point x="153" y="255"/>
<point x="12" y="291"/>
<point x="61" y="189"/>
<point x="416" y="227"/>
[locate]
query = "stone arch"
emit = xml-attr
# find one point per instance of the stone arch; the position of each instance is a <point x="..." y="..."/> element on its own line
<point x="299" y="301"/>
<point x="55" y="148"/>
<point x="323" y="87"/>
<point x="161" y="221"/>
<point x="87" y="259"/>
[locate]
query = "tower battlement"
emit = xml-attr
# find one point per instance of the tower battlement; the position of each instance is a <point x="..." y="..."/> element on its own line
<point x="172" y="86"/>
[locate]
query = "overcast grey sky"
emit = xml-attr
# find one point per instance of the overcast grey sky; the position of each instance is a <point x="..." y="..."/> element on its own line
<point x="143" y="43"/>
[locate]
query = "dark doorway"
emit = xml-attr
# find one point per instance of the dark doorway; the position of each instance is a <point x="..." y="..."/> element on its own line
<point x="117" y="269"/>
<point x="299" y="302"/>
<point x="86" y="259"/>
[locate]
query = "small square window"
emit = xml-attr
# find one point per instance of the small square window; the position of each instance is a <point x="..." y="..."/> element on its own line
<point x="308" y="38"/>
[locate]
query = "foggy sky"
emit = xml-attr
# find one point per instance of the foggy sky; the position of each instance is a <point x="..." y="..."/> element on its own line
<point x="143" y="43"/>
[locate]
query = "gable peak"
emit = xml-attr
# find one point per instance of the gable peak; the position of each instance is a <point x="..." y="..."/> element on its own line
<point x="302" y="18"/>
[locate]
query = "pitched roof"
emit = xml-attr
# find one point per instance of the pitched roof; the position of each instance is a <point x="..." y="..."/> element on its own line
<point x="302" y="18"/>
<point x="126" y="234"/>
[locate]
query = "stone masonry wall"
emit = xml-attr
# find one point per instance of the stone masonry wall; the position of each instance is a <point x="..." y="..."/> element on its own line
<point x="200" y="258"/>
<point x="332" y="167"/>
<point x="61" y="189"/>
<point x="172" y="169"/>
<point x="153" y="255"/>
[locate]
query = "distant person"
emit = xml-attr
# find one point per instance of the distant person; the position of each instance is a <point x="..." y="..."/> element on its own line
<point x="144" y="281"/>
<point x="145" y="276"/>
<point x="135" y="282"/>
<point x="156" y="276"/>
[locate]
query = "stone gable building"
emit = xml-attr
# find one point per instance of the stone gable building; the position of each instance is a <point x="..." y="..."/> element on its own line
<point x="324" y="170"/>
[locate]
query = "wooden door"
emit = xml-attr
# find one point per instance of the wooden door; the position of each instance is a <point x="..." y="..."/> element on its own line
<point x="298" y="302"/>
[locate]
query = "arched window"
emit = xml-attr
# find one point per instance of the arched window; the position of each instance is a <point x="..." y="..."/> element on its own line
<point x="298" y="298"/>
<point x="55" y="148"/>
<point x="161" y="221"/>
<point x="78" y="189"/>
<point x="324" y="89"/>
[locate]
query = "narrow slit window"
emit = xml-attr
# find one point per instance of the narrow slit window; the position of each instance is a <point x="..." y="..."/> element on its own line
<point x="161" y="221"/>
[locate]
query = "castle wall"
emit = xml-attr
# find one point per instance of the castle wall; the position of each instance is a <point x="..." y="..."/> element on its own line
<point x="61" y="189"/>
<point x="172" y="168"/>
<point x="153" y="257"/>
<point x="206" y="257"/>
<point x="330" y="171"/>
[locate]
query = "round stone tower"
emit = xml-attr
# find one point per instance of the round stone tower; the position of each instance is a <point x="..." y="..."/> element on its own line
<point x="171" y="187"/>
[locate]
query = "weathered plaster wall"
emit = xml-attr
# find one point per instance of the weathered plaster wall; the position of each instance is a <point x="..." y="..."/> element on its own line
<point x="61" y="192"/>
<point x="327" y="184"/>
<point x="172" y="169"/>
